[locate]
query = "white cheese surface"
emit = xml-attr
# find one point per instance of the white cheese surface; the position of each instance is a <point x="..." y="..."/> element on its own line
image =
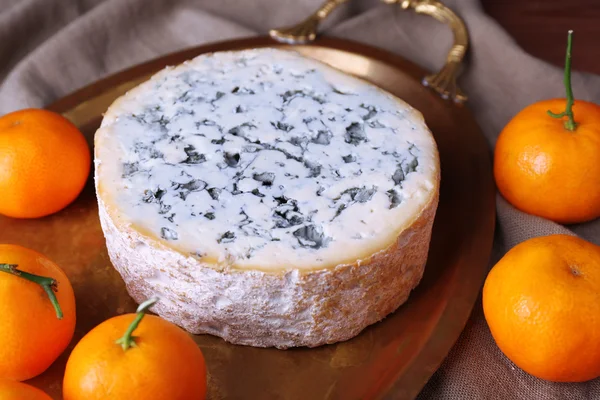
<point x="264" y="159"/>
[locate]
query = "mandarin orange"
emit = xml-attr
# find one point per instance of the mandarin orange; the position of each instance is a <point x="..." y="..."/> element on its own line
<point x="13" y="390"/>
<point x="44" y="163"/>
<point x="161" y="362"/>
<point x="547" y="165"/>
<point x="542" y="304"/>
<point x="37" y="309"/>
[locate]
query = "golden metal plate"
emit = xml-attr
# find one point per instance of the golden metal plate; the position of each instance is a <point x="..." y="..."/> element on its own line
<point x="391" y="359"/>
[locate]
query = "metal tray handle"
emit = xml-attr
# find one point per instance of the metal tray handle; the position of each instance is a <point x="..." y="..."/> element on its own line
<point x="443" y="82"/>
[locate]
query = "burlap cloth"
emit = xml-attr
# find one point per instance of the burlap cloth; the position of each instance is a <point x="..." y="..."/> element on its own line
<point x="49" y="48"/>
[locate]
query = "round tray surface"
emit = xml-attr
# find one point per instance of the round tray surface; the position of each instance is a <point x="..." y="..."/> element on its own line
<point x="391" y="359"/>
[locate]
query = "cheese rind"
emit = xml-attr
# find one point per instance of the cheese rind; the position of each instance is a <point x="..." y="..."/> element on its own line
<point x="266" y="198"/>
<point x="285" y="309"/>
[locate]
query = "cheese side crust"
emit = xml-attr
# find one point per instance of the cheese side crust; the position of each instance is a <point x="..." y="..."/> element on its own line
<point x="256" y="308"/>
<point x="299" y="223"/>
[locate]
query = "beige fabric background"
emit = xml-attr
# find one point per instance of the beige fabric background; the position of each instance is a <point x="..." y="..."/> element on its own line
<point x="49" y="48"/>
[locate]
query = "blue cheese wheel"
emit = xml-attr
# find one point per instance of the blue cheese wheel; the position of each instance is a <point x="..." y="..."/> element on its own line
<point x="266" y="198"/>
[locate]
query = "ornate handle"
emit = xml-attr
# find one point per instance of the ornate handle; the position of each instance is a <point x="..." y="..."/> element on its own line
<point x="305" y="31"/>
<point x="443" y="82"/>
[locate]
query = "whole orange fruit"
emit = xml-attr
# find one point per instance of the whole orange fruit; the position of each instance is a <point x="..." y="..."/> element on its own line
<point x="546" y="170"/>
<point x="546" y="163"/>
<point x="159" y="362"/>
<point x="32" y="333"/>
<point x="542" y="304"/>
<point x="44" y="163"/>
<point x="12" y="390"/>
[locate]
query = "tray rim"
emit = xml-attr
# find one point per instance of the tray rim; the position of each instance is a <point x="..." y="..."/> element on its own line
<point x="455" y="314"/>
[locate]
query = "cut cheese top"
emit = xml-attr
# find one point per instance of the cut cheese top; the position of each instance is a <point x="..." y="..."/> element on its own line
<point x="264" y="159"/>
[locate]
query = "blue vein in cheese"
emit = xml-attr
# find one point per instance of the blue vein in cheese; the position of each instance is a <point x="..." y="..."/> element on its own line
<point x="244" y="155"/>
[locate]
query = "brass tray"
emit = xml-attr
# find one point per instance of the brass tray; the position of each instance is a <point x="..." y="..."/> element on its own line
<point x="391" y="359"/>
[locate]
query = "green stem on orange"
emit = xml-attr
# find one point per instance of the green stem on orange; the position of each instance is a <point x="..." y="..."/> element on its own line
<point x="48" y="284"/>
<point x="570" y="123"/>
<point x="128" y="340"/>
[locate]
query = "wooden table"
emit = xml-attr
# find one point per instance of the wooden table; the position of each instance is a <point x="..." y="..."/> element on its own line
<point x="540" y="27"/>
